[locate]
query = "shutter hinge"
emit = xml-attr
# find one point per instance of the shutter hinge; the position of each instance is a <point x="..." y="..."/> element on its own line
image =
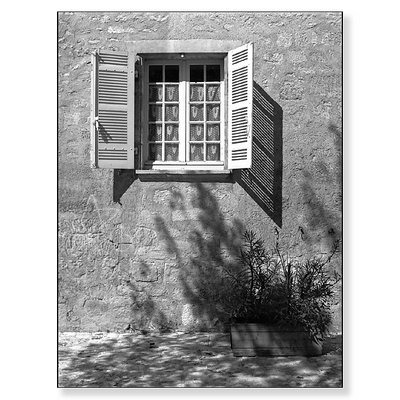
<point x="249" y="129"/>
<point x="139" y="61"/>
<point x="96" y="122"/>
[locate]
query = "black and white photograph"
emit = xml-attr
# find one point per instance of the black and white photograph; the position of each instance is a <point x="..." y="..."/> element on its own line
<point x="200" y="199"/>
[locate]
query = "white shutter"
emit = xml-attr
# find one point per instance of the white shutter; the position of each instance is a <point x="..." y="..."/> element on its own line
<point x="240" y="106"/>
<point x="112" y="109"/>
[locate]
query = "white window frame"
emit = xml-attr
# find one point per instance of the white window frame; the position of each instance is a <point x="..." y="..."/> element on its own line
<point x="184" y="162"/>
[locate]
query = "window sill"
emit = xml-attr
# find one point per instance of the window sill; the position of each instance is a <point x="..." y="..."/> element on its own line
<point x="184" y="175"/>
<point x="182" y="172"/>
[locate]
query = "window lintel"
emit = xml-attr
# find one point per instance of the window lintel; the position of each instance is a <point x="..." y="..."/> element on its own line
<point x="162" y="57"/>
<point x="183" y="46"/>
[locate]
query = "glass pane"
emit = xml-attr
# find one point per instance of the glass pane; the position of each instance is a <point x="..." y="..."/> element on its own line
<point x="196" y="132"/>
<point x="171" y="93"/>
<point x="212" y="152"/>
<point x="212" y="73"/>
<point x="171" y="152"/>
<point x="155" y="152"/>
<point x="171" y="132"/>
<point x="155" y="93"/>
<point x="196" y="73"/>
<point x="196" y="152"/>
<point x="155" y="73"/>
<point x="213" y="93"/>
<point x="172" y="73"/>
<point x="155" y="132"/>
<point x="196" y="112"/>
<point x="155" y="112"/>
<point x="212" y="112"/>
<point x="196" y="93"/>
<point x="212" y="132"/>
<point x="172" y="112"/>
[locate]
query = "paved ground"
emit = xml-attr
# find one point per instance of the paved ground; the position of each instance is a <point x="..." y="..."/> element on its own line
<point x="185" y="360"/>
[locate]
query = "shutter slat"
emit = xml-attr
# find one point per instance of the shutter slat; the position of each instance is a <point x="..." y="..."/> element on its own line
<point x="240" y="106"/>
<point x="113" y="86"/>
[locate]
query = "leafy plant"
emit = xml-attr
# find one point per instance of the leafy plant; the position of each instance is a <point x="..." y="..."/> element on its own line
<point x="277" y="289"/>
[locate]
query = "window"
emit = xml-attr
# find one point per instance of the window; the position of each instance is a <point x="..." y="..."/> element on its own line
<point x="193" y="110"/>
<point x="182" y="114"/>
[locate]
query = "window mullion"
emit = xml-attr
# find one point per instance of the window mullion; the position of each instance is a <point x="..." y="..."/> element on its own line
<point x="163" y="116"/>
<point x="204" y="112"/>
<point x="145" y="115"/>
<point x="184" y="112"/>
<point x="222" y="120"/>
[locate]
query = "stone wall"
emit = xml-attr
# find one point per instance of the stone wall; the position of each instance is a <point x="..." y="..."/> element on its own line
<point x="147" y="254"/>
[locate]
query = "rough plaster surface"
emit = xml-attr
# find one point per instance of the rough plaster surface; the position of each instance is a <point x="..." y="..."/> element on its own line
<point x="150" y="257"/>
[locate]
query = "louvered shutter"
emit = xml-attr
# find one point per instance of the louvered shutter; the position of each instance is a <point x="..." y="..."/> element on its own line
<point x="240" y="106"/>
<point x="112" y="110"/>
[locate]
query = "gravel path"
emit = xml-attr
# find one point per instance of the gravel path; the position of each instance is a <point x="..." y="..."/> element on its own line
<point x="185" y="360"/>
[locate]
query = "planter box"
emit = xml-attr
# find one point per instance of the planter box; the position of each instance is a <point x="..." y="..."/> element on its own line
<point x="266" y="340"/>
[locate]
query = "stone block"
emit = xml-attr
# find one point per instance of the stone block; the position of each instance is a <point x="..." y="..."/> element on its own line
<point x="162" y="197"/>
<point x="141" y="252"/>
<point x="284" y="39"/>
<point x="297" y="57"/>
<point x="273" y="58"/>
<point x="144" y="271"/>
<point x="188" y="318"/>
<point x="292" y="88"/>
<point x="171" y="273"/>
<point x="188" y="215"/>
<point x="144" y="236"/>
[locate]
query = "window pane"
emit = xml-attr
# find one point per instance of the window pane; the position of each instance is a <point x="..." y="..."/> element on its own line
<point x="196" y="93"/>
<point x="155" y="73"/>
<point x="213" y="93"/>
<point x="171" y="132"/>
<point x="212" y="132"/>
<point x="155" y="112"/>
<point x="171" y="93"/>
<point x="196" y="112"/>
<point x="172" y="112"/>
<point x="212" y="153"/>
<point x="196" y="73"/>
<point x="155" y="152"/>
<point x="212" y="73"/>
<point x="171" y="152"/>
<point x="196" y="132"/>
<point x="212" y="112"/>
<point x="196" y="152"/>
<point x="155" y="93"/>
<point x="172" y="73"/>
<point x="155" y="132"/>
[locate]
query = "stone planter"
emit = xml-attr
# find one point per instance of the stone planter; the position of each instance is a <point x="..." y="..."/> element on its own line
<point x="251" y="339"/>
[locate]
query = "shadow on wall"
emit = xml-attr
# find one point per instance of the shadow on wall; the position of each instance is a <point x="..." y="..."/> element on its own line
<point x="123" y="179"/>
<point x="204" y="250"/>
<point x="263" y="181"/>
<point x="214" y="237"/>
<point x="215" y="245"/>
<point x="320" y="219"/>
